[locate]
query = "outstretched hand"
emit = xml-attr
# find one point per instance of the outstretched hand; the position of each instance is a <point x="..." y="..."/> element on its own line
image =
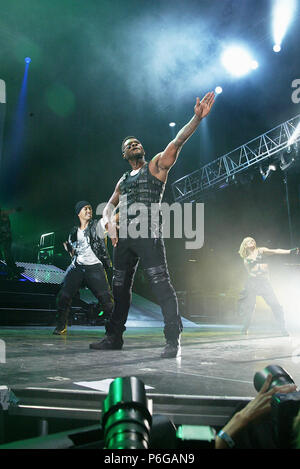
<point x="259" y="406"/>
<point x="262" y="402"/>
<point x="203" y="107"/>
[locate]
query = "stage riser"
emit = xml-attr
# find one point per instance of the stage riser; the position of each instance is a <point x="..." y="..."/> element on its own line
<point x="28" y="287"/>
<point x="27" y="318"/>
<point x="26" y="300"/>
<point x="25" y="303"/>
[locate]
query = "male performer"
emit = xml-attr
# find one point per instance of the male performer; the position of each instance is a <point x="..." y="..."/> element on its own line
<point x="6" y="240"/>
<point x="145" y="184"/>
<point x="90" y="258"/>
<point x="258" y="282"/>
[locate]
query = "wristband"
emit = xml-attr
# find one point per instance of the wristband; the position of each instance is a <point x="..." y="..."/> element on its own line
<point x="228" y="440"/>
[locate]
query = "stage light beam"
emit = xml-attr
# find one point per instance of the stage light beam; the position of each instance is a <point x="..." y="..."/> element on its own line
<point x="283" y="12"/>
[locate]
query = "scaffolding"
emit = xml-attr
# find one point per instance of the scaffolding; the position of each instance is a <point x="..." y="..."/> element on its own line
<point x="222" y="171"/>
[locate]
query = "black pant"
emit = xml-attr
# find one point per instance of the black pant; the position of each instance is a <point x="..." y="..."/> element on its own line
<point x="5" y="249"/>
<point x="259" y="286"/>
<point x="94" y="277"/>
<point x="151" y="253"/>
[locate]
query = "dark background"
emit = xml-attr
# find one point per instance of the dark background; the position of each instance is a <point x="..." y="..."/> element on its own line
<point x="102" y="70"/>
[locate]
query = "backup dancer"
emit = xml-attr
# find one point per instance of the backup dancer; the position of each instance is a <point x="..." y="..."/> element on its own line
<point x="258" y="282"/>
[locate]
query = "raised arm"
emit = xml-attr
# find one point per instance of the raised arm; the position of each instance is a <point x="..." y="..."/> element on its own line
<point x="278" y="251"/>
<point x="166" y="159"/>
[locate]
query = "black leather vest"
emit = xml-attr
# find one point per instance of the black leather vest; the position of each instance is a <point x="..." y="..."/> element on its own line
<point x="141" y="188"/>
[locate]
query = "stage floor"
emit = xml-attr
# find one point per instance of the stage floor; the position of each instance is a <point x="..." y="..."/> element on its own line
<point x="215" y="361"/>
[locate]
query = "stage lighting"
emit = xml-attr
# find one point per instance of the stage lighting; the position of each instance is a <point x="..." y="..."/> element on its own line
<point x="295" y="135"/>
<point x="218" y="90"/>
<point x="172" y="124"/>
<point x="283" y="11"/>
<point x="266" y="173"/>
<point x="27" y="60"/>
<point x="286" y="161"/>
<point x="238" y="61"/>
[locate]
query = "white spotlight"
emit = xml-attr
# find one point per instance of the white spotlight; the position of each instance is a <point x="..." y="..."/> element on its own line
<point x="276" y="48"/>
<point x="283" y="12"/>
<point x="238" y="61"/>
<point x="254" y="65"/>
<point x="218" y="89"/>
<point x="172" y="124"/>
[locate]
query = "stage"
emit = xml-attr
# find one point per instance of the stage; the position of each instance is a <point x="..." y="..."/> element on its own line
<point x="55" y="384"/>
<point x="215" y="360"/>
<point x="58" y="383"/>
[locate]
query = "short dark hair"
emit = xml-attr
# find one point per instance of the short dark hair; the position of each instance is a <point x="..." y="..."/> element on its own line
<point x="127" y="138"/>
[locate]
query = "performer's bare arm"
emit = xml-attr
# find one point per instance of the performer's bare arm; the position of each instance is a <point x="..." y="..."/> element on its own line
<point x="162" y="162"/>
<point x="276" y="251"/>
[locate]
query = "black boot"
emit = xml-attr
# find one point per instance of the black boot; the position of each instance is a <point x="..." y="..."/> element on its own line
<point x="172" y="349"/>
<point x="109" y="342"/>
<point x="61" y="328"/>
<point x="61" y="325"/>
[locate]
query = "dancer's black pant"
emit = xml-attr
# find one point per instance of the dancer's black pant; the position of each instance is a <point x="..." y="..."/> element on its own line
<point x="151" y="253"/>
<point x="258" y="286"/>
<point x="94" y="277"/>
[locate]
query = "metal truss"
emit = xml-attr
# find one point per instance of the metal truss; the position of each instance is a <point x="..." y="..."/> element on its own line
<point x="222" y="171"/>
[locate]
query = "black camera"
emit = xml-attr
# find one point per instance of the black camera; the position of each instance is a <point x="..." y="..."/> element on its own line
<point x="127" y="416"/>
<point x="284" y="407"/>
<point x="128" y="423"/>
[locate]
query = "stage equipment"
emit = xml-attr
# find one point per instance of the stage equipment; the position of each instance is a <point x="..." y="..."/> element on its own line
<point x="31" y="299"/>
<point x="284" y="407"/>
<point x="286" y="160"/>
<point x="46" y="248"/>
<point x="257" y="151"/>
<point x="265" y="174"/>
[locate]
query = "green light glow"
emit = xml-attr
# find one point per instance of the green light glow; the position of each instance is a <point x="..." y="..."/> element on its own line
<point x="60" y="100"/>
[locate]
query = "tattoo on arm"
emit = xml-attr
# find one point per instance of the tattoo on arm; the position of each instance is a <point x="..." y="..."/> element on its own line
<point x="186" y="131"/>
